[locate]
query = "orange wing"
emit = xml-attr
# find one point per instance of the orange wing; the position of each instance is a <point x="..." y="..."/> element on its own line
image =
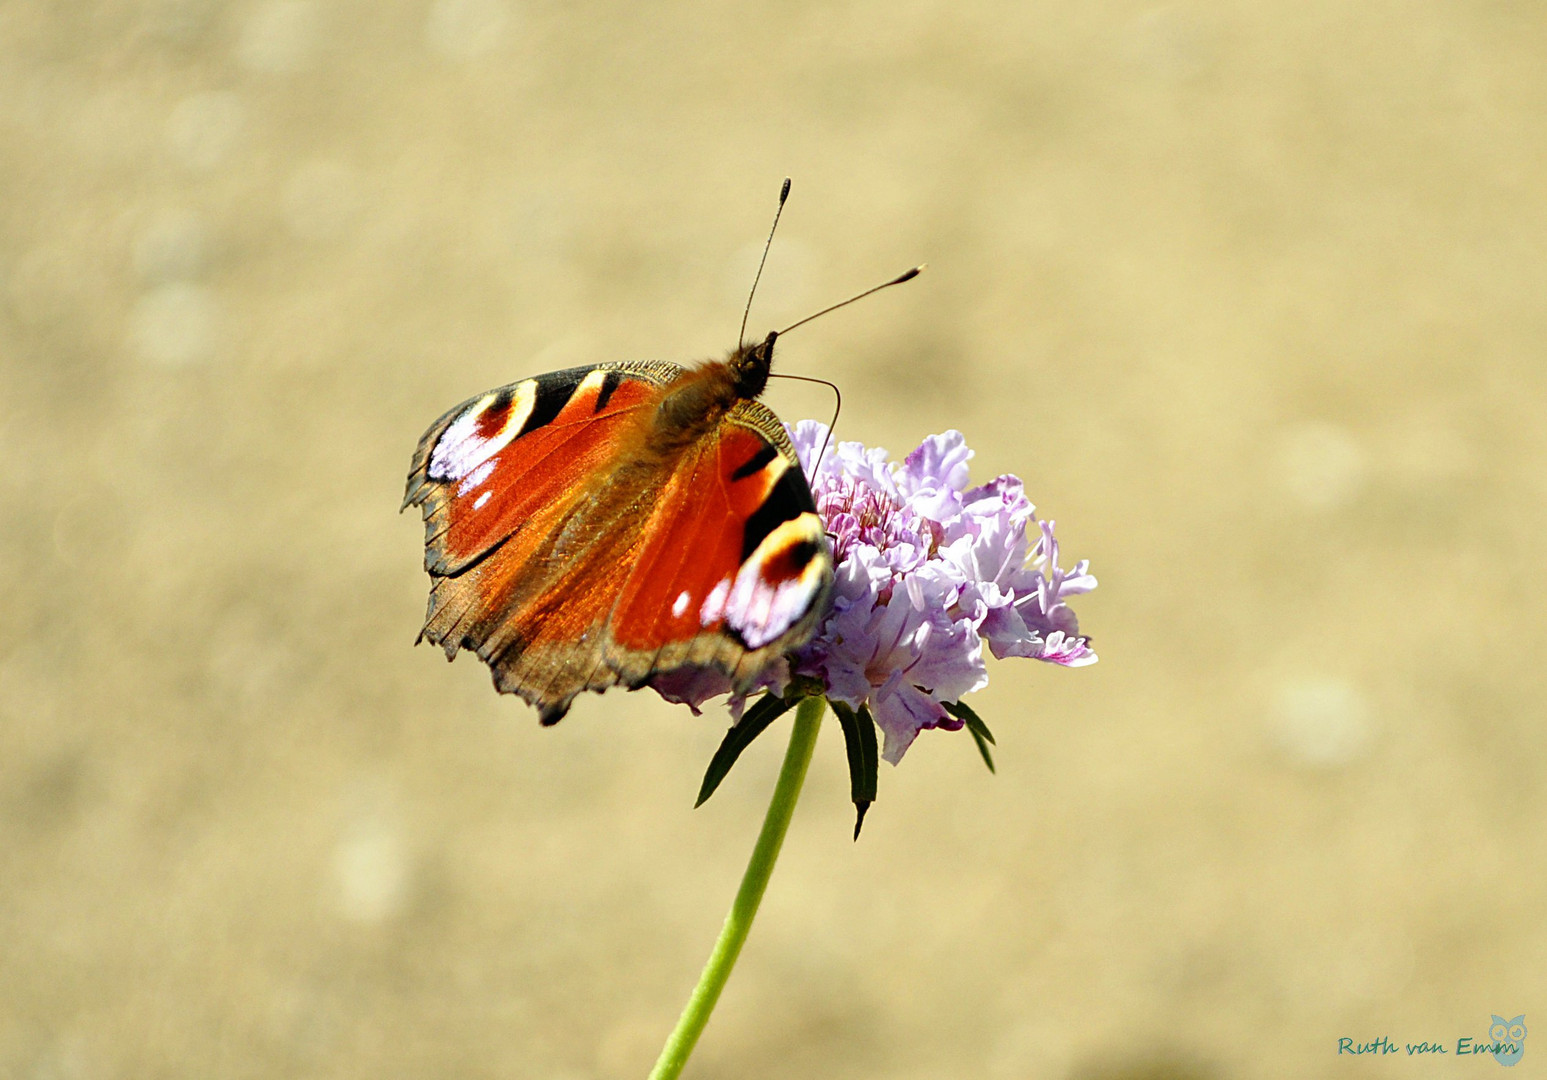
<point x="490" y="464"/>
<point x="571" y="557"/>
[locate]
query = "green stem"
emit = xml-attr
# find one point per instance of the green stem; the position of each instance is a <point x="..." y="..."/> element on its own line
<point x="674" y="1055"/>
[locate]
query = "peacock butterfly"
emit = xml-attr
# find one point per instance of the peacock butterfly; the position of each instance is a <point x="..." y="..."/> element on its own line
<point x="619" y="523"/>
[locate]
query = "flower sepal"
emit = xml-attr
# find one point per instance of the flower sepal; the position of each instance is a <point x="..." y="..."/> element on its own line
<point x="859" y="738"/>
<point x="749" y="725"/>
<point x="980" y="733"/>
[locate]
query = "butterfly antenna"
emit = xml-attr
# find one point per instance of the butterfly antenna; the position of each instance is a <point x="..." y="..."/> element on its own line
<point x="784" y="193"/>
<point x="907" y="275"/>
<point x="837" y="408"/>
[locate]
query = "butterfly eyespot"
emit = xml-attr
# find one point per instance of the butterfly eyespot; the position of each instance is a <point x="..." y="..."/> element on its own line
<point x="774" y="587"/>
<point x="791" y="561"/>
<point x="482" y="430"/>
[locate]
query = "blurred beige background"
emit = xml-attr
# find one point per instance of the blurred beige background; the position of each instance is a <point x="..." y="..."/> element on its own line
<point x="1250" y="294"/>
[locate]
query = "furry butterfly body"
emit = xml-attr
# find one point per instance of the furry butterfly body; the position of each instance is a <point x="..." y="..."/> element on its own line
<point x="614" y="524"/>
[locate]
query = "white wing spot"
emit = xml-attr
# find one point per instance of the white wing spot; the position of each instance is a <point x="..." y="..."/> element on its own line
<point x="478" y="502"/>
<point x="680" y="604"/>
<point x="714" y="605"/>
<point x="476" y="477"/>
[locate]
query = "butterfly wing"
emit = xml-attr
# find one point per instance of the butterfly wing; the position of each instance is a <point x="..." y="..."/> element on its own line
<point x="576" y="562"/>
<point x="734" y="544"/>
<point x="486" y="467"/>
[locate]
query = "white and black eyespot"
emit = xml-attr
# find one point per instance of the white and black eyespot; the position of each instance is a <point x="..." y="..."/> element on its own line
<point x="482" y="430"/>
<point x="789" y="552"/>
<point x="502" y="416"/>
<point x="775" y="586"/>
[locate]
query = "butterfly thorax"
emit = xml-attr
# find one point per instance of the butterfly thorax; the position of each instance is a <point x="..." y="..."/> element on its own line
<point x="749" y="366"/>
<point x="695" y="401"/>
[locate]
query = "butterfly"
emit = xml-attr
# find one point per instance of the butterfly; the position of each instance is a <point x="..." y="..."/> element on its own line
<point x="609" y="525"/>
<point x="623" y="524"/>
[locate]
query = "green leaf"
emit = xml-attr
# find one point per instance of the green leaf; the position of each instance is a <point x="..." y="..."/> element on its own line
<point x="859" y="738"/>
<point x="753" y="723"/>
<point x="988" y="758"/>
<point x="980" y="733"/>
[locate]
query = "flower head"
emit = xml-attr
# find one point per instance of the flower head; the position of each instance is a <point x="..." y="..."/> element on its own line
<point x="928" y="570"/>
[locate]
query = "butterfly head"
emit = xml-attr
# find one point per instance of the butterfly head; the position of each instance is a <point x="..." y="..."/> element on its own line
<point x="749" y="366"/>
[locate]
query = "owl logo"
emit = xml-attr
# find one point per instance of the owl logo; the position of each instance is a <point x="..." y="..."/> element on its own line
<point x="1509" y="1037"/>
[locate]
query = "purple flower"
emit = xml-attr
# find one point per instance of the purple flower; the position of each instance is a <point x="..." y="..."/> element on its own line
<point x="928" y="570"/>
